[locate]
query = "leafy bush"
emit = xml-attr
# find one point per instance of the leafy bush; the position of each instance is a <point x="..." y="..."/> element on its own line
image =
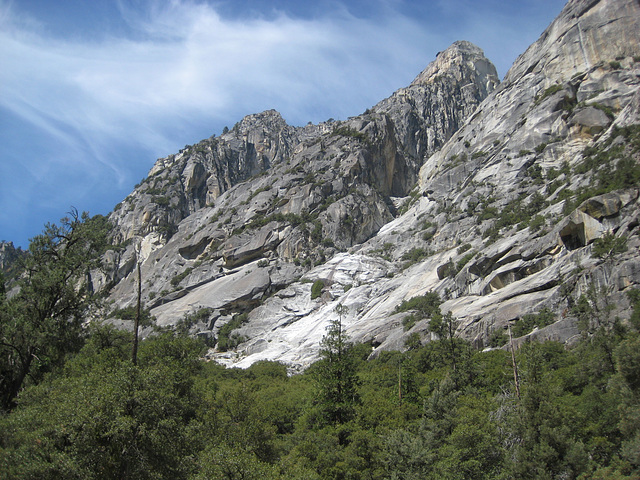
<point x="608" y="246"/>
<point x="226" y="338"/>
<point x="427" y="304"/>
<point x="498" y="338"/>
<point x="175" y="281"/>
<point x="351" y="132"/>
<point x="413" y="342"/>
<point x="415" y="255"/>
<point x="190" y="319"/>
<point x="129" y="313"/>
<point x="161" y="201"/>
<point x="408" y="322"/>
<point x="611" y="166"/>
<point x="537" y="223"/>
<point x="547" y="93"/>
<point x="316" y="289"/>
<point x="535" y="174"/>
<point x="540" y="148"/>
<point x="528" y="322"/>
<point x="464" y="260"/>
<point x="463" y="248"/>
<point x="448" y="270"/>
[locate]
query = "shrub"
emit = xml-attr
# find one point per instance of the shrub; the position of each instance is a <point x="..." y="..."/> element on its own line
<point x="498" y="338"/>
<point x="609" y="246"/>
<point x="415" y="255"/>
<point x="413" y="341"/>
<point x="316" y="289"/>
<point x="547" y="93"/>
<point x="427" y="304"/>
<point x="129" y="313"/>
<point x="190" y="319"/>
<point x="175" y="281"/>
<point x="536" y="223"/>
<point x="351" y="132"/>
<point x="226" y="338"/>
<point x="408" y="322"/>
<point x="160" y="200"/>
<point x="449" y="270"/>
<point x="535" y="173"/>
<point x="464" y="260"/>
<point x="528" y="322"/>
<point x="463" y="248"/>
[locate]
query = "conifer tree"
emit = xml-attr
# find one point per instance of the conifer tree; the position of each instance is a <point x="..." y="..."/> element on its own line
<point x="337" y="378"/>
<point x="41" y="323"/>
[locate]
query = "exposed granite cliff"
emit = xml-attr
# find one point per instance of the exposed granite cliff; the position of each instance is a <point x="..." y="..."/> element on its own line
<point x="298" y="195"/>
<point x="9" y="259"/>
<point x="520" y="189"/>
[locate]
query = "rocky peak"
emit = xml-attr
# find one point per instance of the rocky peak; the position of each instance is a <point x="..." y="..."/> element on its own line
<point x="465" y="63"/>
<point x="435" y="105"/>
<point x="7" y="254"/>
<point x="269" y="120"/>
<point x="291" y="196"/>
<point x="509" y="209"/>
<point x="9" y="260"/>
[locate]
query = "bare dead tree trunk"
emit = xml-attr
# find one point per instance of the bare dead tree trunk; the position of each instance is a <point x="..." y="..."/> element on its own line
<point x="400" y="382"/>
<point x="516" y="378"/>
<point x="134" y="350"/>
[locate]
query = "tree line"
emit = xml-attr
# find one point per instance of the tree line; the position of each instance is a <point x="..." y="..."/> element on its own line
<point x="75" y="405"/>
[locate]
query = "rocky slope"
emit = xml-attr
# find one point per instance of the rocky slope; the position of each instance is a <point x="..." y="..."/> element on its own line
<point x="9" y="259"/>
<point x="266" y="190"/>
<point x="502" y="199"/>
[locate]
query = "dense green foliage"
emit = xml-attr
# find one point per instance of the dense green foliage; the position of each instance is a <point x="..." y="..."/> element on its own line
<point x="442" y="410"/>
<point x="347" y="131"/>
<point x="528" y="322"/>
<point x="76" y="407"/>
<point x="336" y="376"/>
<point x="41" y="323"/>
<point x="227" y="338"/>
<point x="316" y="289"/>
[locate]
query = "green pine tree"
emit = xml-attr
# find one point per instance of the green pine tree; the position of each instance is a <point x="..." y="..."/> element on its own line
<point x="336" y="374"/>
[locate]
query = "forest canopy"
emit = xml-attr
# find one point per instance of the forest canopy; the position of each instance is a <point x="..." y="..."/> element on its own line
<point x="76" y="406"/>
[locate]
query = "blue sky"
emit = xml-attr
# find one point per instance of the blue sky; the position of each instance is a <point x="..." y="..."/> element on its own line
<point x="93" y="92"/>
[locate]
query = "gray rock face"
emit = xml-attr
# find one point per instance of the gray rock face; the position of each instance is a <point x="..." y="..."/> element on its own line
<point x="519" y="188"/>
<point x="266" y="190"/>
<point x="8" y="255"/>
<point x="180" y="185"/>
<point x="587" y="33"/>
<point x="429" y="111"/>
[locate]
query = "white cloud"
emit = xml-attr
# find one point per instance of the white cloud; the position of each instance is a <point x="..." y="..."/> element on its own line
<point x="184" y="70"/>
<point x="190" y="61"/>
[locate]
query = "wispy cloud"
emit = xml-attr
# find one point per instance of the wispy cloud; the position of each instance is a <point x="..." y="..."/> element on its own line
<point x="189" y="61"/>
<point x="87" y="116"/>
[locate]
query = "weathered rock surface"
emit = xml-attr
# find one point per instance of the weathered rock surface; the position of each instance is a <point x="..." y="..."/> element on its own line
<point x="265" y="190"/>
<point x="8" y="255"/>
<point x="494" y="197"/>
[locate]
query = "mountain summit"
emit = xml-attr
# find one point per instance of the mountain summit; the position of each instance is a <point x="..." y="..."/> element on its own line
<point x="505" y="200"/>
<point x="465" y="64"/>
